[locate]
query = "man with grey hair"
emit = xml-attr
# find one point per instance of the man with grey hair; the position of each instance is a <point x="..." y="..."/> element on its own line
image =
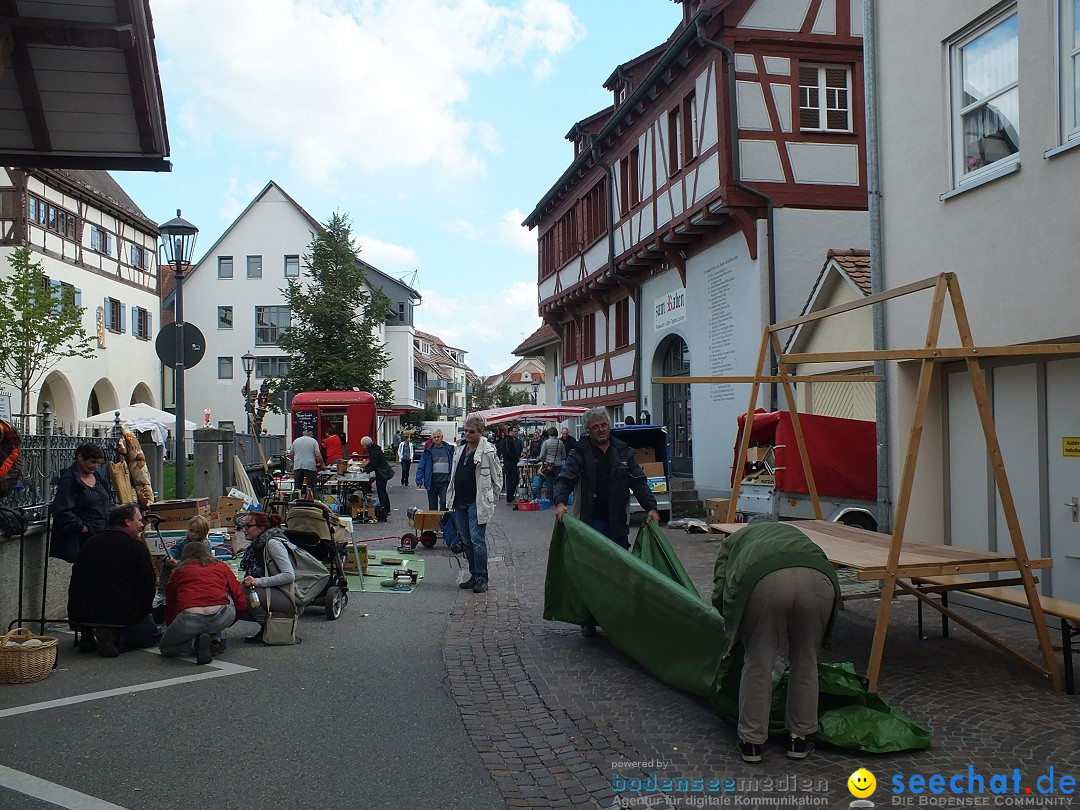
<point x="602" y="471"/>
<point x="306" y="456"/>
<point x="475" y="482"/>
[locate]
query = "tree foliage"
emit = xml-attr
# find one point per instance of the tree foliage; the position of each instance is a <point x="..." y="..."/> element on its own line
<point x="482" y="397"/>
<point x="39" y="326"/>
<point x="332" y="339"/>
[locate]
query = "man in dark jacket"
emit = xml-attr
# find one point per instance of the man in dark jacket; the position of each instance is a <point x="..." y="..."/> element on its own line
<point x="112" y="587"/>
<point x="602" y="471"/>
<point x="511" y="455"/>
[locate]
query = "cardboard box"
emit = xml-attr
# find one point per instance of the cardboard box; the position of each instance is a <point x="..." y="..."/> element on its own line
<point x="716" y="510"/>
<point x="755" y="454"/>
<point x="228" y="507"/>
<point x="644" y="455"/>
<point x="653" y="469"/>
<point x="180" y="511"/>
<point x="426" y="520"/>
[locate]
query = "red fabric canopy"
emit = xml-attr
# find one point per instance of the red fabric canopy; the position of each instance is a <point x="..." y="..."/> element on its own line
<point x="843" y="453"/>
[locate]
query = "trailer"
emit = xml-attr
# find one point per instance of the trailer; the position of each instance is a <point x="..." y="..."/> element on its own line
<point x="843" y="461"/>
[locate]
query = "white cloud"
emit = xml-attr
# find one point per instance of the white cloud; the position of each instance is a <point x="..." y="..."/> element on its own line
<point x="339" y="84"/>
<point x="514" y="233"/>
<point x="385" y="255"/>
<point x="487" y="325"/>
<point x="464" y="228"/>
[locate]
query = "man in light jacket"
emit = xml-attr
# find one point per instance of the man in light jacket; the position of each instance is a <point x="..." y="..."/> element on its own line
<point x="475" y="482"/>
<point x="404" y="455"/>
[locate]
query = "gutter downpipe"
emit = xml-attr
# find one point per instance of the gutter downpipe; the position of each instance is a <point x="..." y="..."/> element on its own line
<point x="736" y="172"/>
<point x="877" y="265"/>
<point x="609" y="171"/>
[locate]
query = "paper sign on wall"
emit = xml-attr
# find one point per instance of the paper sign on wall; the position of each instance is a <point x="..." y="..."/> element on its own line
<point x="1070" y="446"/>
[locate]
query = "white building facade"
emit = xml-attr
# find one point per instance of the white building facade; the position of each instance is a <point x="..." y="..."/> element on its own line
<point x="980" y="179"/>
<point x="100" y="251"/>
<point x="234" y="295"/>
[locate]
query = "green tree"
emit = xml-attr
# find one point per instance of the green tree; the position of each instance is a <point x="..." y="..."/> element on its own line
<point x="482" y="397"/>
<point x="332" y="340"/>
<point x="412" y="419"/>
<point x="504" y="397"/>
<point x="39" y="326"/>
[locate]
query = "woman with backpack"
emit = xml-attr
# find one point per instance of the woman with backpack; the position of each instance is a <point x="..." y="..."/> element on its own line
<point x="552" y="456"/>
<point x="202" y="598"/>
<point x="274" y="587"/>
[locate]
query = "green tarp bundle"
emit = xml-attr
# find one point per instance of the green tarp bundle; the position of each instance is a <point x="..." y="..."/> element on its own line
<point x="650" y="610"/>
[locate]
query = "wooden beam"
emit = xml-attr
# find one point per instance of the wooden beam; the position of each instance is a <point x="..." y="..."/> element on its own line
<point x="71" y="34"/>
<point x="7" y="45"/>
<point x="869" y="300"/>
<point x="936" y="353"/>
<point x="770" y="379"/>
<point x="920" y="570"/>
<point x="29" y="95"/>
<point x="139" y="91"/>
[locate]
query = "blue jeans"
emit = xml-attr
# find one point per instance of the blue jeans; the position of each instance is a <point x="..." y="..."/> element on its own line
<point x="474" y="536"/>
<point x="436" y="496"/>
<point x="602" y="527"/>
<point x="186" y="627"/>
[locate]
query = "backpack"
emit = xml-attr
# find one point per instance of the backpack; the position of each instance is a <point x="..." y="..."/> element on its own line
<point x="10" y="458"/>
<point x="311" y="575"/>
<point x="450" y="533"/>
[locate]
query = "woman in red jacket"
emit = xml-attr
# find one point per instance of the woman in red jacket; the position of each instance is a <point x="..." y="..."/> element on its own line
<point x="203" y="597"/>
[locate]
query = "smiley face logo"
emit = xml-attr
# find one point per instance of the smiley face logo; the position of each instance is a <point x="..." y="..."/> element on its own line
<point x="862" y="783"/>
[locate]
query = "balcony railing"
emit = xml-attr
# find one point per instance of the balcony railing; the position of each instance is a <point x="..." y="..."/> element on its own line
<point x="436" y="385"/>
<point x="454" y="387"/>
<point x="419" y="393"/>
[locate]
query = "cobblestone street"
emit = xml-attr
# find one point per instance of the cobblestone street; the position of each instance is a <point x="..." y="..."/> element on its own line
<point x="561" y="720"/>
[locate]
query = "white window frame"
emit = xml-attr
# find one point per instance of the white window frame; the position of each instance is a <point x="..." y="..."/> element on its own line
<point x="825" y="105"/>
<point x="1069" y="66"/>
<point x="957" y="109"/>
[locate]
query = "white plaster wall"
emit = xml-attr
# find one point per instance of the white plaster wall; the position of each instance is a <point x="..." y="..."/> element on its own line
<point x="803" y="236"/>
<point x="1012" y="242"/>
<point x="714" y="410"/>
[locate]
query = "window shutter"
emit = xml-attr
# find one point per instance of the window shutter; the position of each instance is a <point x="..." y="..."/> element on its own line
<point x="108" y="313"/>
<point x="95" y="240"/>
<point x="149" y="324"/>
<point x="78" y="297"/>
<point x="123" y="318"/>
<point x="56" y="293"/>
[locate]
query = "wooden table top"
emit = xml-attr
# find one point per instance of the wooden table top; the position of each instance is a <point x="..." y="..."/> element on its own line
<point x="868" y="552"/>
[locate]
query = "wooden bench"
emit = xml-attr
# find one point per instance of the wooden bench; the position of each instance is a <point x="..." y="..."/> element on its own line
<point x="1001" y="591"/>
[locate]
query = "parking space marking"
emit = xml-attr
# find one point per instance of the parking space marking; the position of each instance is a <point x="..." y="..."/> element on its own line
<point x="217" y="669"/>
<point x="51" y="792"/>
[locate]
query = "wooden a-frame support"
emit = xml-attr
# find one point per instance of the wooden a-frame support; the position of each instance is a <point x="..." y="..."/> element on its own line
<point x="945" y="286"/>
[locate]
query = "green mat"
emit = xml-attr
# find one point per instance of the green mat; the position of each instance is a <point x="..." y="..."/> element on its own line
<point x="378" y="572"/>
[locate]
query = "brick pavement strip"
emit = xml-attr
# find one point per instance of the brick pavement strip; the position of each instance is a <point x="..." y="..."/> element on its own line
<point x="561" y="720"/>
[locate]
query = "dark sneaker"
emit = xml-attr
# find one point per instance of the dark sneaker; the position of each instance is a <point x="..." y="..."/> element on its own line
<point x="588" y="630"/>
<point x="108" y="639"/>
<point x="218" y="646"/>
<point x="799" y="747"/>
<point x="480" y="586"/>
<point x="467" y="584"/>
<point x="87" y="641"/>
<point x="749" y="752"/>
<point x="255" y="639"/>
<point x="202" y="649"/>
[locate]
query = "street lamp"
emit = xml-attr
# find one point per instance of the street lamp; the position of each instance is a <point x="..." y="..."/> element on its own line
<point x="178" y="244"/>
<point x="536" y="391"/>
<point x="249" y="366"/>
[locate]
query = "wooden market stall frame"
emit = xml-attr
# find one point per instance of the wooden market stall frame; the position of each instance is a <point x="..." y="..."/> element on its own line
<point x="945" y="286"/>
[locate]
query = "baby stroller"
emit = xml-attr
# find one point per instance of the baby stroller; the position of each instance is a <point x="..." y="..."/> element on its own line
<point x="311" y="526"/>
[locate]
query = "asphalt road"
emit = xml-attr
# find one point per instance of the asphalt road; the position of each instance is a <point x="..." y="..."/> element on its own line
<point x="358" y="715"/>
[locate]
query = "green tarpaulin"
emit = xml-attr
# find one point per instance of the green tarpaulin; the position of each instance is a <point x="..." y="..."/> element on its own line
<point x="650" y="610"/>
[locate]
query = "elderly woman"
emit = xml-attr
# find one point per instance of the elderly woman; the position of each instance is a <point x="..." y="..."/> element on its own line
<point x="268" y="569"/>
<point x="84" y="497"/>
<point x="379" y="469"/>
<point x="203" y="598"/>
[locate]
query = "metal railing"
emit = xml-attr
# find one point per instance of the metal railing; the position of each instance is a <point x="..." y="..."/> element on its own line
<point x="42" y="457"/>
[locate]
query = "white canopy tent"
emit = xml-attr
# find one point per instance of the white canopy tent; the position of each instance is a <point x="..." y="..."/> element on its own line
<point x="140" y="417"/>
<point x="525" y="413"/>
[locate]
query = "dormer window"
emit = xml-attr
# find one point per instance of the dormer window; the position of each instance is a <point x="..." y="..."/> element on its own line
<point x="621" y="95"/>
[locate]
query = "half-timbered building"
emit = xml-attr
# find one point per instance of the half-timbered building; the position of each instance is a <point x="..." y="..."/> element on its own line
<point x="697" y="209"/>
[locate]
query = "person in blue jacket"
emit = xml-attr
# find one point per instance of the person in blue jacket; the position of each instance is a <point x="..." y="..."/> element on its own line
<point x="433" y="471"/>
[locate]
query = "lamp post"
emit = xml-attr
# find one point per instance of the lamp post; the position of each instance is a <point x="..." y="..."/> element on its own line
<point x="249" y="366"/>
<point x="178" y="243"/>
<point x="536" y="391"/>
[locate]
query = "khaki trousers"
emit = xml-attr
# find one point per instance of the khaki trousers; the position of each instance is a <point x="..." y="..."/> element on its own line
<point x="795" y="602"/>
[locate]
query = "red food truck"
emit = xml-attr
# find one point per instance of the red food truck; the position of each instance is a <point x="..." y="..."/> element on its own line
<point x="349" y="413"/>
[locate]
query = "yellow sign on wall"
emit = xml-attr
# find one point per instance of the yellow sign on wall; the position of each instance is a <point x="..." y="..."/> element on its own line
<point x="1070" y="446"/>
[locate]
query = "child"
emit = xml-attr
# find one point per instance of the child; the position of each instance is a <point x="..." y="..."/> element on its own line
<point x="198" y="530"/>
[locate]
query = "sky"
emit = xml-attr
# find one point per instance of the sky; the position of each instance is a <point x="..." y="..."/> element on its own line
<point x="436" y="126"/>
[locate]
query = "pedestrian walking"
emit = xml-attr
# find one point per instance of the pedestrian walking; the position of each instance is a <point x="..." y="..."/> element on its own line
<point x="433" y="471"/>
<point x="511" y="455"/>
<point x="404" y="455"/>
<point x="476" y="480"/>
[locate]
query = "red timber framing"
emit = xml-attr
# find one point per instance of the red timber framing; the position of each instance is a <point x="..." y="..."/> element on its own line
<point x="670" y="118"/>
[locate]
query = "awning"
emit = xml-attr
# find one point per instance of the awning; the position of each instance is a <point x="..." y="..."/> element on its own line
<point x="521" y="413"/>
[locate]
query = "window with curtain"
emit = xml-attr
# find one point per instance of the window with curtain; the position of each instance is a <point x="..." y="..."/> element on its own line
<point x="984" y="72"/>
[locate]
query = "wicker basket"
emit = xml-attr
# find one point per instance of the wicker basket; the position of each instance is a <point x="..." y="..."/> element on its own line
<point x="22" y="664"/>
